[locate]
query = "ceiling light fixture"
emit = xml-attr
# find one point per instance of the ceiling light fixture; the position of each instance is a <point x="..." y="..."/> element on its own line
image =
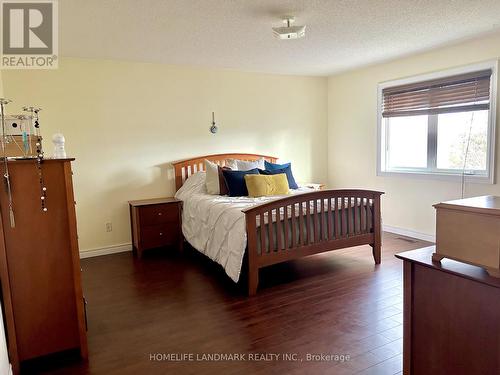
<point x="289" y="31"/>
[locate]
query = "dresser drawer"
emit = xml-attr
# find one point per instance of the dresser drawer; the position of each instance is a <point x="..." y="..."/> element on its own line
<point x="158" y="214"/>
<point x="159" y="235"/>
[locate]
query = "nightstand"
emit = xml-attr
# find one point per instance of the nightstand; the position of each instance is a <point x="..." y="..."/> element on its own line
<point x="155" y="223"/>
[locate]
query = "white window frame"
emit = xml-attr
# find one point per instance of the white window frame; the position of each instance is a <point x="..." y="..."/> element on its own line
<point x="450" y="175"/>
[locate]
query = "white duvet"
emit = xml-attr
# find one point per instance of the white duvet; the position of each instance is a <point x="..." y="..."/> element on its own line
<point x="215" y="225"/>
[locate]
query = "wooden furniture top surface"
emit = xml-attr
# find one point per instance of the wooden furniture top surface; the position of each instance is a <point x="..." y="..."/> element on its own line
<point x="33" y="160"/>
<point x="423" y="257"/>
<point x="146" y="202"/>
<point x="487" y="204"/>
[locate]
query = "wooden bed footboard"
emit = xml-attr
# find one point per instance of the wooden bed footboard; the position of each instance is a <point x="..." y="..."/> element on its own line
<point x="311" y="223"/>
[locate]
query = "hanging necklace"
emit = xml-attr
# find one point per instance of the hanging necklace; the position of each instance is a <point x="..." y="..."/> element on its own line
<point x="3" y="103"/>
<point x="12" y="139"/>
<point x="35" y="118"/>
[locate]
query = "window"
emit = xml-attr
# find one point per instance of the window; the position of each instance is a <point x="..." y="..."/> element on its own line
<point x="441" y="124"/>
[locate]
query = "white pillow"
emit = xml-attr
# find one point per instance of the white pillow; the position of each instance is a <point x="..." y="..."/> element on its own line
<point x="194" y="184"/>
<point x="212" y="179"/>
<point x="244" y="165"/>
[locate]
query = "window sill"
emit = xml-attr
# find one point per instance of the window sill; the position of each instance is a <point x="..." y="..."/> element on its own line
<point x="475" y="179"/>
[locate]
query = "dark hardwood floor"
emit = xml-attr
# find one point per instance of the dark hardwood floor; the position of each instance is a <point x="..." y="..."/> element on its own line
<point x="167" y="303"/>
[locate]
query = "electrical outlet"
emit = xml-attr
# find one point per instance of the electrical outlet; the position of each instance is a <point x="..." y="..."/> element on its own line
<point x="109" y="227"/>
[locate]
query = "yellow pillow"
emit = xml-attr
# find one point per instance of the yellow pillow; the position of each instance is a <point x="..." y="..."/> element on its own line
<point x="260" y="185"/>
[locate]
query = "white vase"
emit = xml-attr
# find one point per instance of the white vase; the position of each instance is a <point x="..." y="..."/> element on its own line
<point x="59" y="141"/>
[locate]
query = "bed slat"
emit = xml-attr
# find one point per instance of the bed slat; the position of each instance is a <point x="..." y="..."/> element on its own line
<point x="324" y="216"/>
<point x="279" y="231"/>
<point x="287" y="228"/>
<point x="294" y="227"/>
<point x="270" y="228"/>
<point x="262" y="234"/>
<point x="316" y="221"/>
<point x="351" y="216"/>
<point x="329" y="219"/>
<point x="356" y="214"/>
<point x="308" y="222"/>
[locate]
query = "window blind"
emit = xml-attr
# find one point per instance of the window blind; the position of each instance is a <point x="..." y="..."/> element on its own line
<point x="460" y="93"/>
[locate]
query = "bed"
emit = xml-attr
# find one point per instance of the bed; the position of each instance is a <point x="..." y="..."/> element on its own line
<point x="260" y="232"/>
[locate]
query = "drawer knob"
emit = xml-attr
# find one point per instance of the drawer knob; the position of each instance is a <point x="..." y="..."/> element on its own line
<point x="159" y="213"/>
<point x="161" y="234"/>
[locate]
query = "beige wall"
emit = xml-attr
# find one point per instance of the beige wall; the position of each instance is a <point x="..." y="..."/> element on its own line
<point x="124" y="122"/>
<point x="352" y="147"/>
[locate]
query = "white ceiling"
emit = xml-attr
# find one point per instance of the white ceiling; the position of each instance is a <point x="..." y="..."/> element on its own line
<point x="236" y="34"/>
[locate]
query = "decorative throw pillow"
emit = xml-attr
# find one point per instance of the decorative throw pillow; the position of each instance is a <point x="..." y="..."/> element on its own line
<point x="273" y="166"/>
<point x="287" y="170"/>
<point x="212" y="178"/>
<point x="235" y="181"/>
<point x="245" y="165"/>
<point x="266" y="185"/>
<point x="223" y="190"/>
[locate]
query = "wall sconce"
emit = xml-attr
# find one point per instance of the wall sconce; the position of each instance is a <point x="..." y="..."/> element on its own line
<point x="213" y="128"/>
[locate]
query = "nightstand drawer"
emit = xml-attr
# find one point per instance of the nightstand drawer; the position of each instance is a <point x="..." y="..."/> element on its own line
<point x="158" y="214"/>
<point x="159" y="235"/>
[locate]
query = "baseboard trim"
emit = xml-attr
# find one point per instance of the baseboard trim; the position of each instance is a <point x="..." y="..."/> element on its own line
<point x="128" y="247"/>
<point x="105" y="250"/>
<point x="409" y="233"/>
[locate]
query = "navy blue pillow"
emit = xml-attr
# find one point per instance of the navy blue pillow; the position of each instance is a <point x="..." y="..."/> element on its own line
<point x="288" y="171"/>
<point x="272" y="166"/>
<point x="235" y="181"/>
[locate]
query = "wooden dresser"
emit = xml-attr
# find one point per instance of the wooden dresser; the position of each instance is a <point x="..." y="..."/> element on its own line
<point x="468" y="230"/>
<point x="155" y="223"/>
<point x="451" y="318"/>
<point x="40" y="265"/>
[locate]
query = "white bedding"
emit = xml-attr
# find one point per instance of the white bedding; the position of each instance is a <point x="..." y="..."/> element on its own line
<point x="215" y="225"/>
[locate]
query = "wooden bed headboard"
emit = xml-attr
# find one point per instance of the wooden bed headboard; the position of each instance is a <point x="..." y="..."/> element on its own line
<point x="185" y="168"/>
